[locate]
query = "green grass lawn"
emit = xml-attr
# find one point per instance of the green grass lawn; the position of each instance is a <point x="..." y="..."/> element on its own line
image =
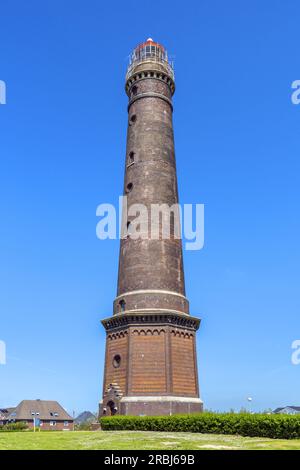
<point x="130" y="440"/>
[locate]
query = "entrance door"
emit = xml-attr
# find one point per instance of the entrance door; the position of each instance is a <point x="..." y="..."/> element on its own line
<point x="112" y="408"/>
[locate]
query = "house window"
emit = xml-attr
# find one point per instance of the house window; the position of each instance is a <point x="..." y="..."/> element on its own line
<point x="66" y="424"/>
<point x="55" y="414"/>
<point x="52" y="423"/>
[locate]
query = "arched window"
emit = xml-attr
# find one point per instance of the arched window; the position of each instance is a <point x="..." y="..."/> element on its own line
<point x="122" y="305"/>
<point x="112" y="408"/>
<point x="117" y="361"/>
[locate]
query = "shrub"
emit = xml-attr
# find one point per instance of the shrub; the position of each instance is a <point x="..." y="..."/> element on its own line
<point x="85" y="426"/>
<point x="244" y="424"/>
<point x="10" y="427"/>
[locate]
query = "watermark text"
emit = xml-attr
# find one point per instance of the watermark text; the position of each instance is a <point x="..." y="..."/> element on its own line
<point x="296" y="94"/>
<point x="295" y="358"/>
<point x="2" y="92"/>
<point x="2" y="353"/>
<point x="152" y="222"/>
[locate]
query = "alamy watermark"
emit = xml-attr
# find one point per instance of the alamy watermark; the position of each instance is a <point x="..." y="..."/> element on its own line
<point x="2" y="353"/>
<point x="2" y="92"/>
<point x="153" y="222"/>
<point x="296" y="94"/>
<point x="295" y="358"/>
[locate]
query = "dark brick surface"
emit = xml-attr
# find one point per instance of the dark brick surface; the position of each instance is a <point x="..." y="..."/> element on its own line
<point x="159" y="408"/>
<point x="151" y="264"/>
<point x="156" y="342"/>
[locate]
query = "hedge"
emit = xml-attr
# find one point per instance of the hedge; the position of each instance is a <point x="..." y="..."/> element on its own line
<point x="13" y="427"/>
<point x="278" y="426"/>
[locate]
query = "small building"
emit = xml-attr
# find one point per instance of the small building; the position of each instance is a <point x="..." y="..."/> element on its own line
<point x="4" y="414"/>
<point x="48" y="415"/>
<point x="288" y="410"/>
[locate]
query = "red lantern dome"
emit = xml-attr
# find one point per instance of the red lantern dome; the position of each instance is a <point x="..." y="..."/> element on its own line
<point x="150" y="51"/>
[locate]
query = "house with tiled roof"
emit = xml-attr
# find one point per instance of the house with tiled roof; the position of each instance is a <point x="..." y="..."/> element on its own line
<point x="4" y="414"/>
<point x="48" y="415"/>
<point x="288" y="410"/>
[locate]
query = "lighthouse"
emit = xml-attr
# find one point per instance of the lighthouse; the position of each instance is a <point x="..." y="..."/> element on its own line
<point x="150" y="357"/>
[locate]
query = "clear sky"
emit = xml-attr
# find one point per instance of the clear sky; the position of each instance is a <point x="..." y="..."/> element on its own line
<point x="62" y="148"/>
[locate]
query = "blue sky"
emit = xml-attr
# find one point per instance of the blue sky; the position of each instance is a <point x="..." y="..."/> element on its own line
<point x="62" y="147"/>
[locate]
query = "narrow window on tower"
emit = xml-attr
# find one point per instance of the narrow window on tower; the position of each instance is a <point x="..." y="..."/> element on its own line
<point x="134" y="90"/>
<point x="132" y="119"/>
<point x="131" y="158"/>
<point x="122" y="305"/>
<point x="129" y="187"/>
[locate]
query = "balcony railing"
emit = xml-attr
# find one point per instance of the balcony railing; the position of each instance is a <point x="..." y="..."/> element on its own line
<point x="151" y="54"/>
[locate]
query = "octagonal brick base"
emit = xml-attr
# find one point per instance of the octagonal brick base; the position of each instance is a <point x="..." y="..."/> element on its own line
<point x="155" y="406"/>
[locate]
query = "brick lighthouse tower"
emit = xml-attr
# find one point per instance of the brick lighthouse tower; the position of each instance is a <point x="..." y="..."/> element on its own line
<point x="150" y="360"/>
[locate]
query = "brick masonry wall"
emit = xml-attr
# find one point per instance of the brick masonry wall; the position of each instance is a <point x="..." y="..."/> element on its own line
<point x="149" y="329"/>
<point x="116" y="344"/>
<point x="160" y="408"/>
<point x="148" y="362"/>
<point x="156" y="360"/>
<point x="184" y="373"/>
<point x="162" y="300"/>
<point x="151" y="264"/>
